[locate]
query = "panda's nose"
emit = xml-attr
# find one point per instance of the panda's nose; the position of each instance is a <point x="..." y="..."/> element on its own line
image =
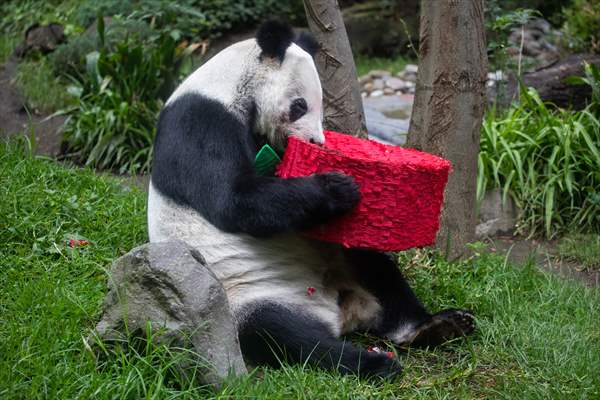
<point x="312" y="141"/>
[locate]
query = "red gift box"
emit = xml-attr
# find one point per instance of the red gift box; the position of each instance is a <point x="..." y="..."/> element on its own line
<point x="401" y="190"/>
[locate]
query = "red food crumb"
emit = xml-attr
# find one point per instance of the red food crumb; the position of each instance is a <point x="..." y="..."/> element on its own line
<point x="390" y="354"/>
<point x="310" y="290"/>
<point x="77" y="242"/>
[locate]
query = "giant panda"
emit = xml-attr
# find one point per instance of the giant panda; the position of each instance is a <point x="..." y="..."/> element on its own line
<point x="291" y="297"/>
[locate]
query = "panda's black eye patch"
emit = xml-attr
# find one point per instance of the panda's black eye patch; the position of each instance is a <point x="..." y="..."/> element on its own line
<point x="297" y="109"/>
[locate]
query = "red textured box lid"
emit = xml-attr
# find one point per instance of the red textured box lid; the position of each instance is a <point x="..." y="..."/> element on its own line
<point x="401" y="190"/>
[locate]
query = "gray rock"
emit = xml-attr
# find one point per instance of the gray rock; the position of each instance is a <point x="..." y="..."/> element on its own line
<point x="388" y="91"/>
<point x="395" y="83"/>
<point x="44" y="39"/>
<point x="368" y="87"/>
<point x="378" y="84"/>
<point x="166" y="286"/>
<point x="411" y="69"/>
<point x="377" y="93"/>
<point x="495" y="216"/>
<point x="365" y="79"/>
<point x="387" y="118"/>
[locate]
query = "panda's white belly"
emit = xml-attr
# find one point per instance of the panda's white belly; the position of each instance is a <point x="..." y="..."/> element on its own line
<point x="252" y="270"/>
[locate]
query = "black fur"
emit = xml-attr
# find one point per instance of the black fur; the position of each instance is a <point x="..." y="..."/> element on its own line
<point x="198" y="137"/>
<point x="379" y="274"/>
<point x="273" y="334"/>
<point x="308" y="43"/>
<point x="274" y="37"/>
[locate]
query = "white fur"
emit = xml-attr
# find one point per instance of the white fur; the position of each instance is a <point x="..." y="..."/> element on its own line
<point x="251" y="269"/>
<point x="403" y="334"/>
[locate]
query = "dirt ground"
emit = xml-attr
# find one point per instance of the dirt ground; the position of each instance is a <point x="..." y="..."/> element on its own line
<point x="18" y="119"/>
<point x="520" y="251"/>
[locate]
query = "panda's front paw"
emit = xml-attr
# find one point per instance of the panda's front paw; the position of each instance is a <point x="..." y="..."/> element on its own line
<point x="380" y="366"/>
<point x="341" y="192"/>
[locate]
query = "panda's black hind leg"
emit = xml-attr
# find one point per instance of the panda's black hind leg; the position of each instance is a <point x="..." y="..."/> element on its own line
<point x="404" y="319"/>
<point x="272" y="334"/>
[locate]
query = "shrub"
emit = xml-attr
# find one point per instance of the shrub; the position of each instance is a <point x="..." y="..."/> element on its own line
<point x="69" y="58"/>
<point x="500" y="21"/>
<point x="17" y="15"/>
<point x="582" y="25"/>
<point x="548" y="160"/>
<point x="193" y="18"/>
<point x="119" y="96"/>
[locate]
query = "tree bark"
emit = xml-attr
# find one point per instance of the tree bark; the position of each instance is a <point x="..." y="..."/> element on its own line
<point x="343" y="110"/>
<point x="449" y="106"/>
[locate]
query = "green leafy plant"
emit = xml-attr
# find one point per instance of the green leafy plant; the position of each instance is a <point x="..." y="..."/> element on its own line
<point x="549" y="160"/>
<point x="17" y="15"/>
<point x="192" y="18"/>
<point x="69" y="58"/>
<point x="499" y="24"/>
<point x="119" y="97"/>
<point x="592" y="79"/>
<point x="582" y="25"/>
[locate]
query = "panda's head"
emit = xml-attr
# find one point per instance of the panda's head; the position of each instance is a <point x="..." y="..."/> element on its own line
<point x="289" y="98"/>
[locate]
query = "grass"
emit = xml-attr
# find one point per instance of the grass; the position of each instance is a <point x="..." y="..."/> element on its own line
<point x="41" y="88"/>
<point x="583" y="249"/>
<point x="537" y="337"/>
<point x="364" y="64"/>
<point x="7" y="46"/>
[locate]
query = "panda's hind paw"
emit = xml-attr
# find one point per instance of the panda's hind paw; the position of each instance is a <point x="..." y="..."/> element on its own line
<point x="444" y="326"/>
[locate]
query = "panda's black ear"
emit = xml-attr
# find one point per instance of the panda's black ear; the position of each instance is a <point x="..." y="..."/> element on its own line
<point x="274" y="37"/>
<point x="308" y="43"/>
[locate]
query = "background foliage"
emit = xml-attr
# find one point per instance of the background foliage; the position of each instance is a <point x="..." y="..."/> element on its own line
<point x="549" y="160"/>
<point x="582" y="25"/>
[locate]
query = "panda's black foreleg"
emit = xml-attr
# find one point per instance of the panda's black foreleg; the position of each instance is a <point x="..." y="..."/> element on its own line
<point x="263" y="206"/>
<point x="404" y="319"/>
<point x="273" y="334"/>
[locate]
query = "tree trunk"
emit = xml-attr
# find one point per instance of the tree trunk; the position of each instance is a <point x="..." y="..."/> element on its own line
<point x="341" y="94"/>
<point x="449" y="106"/>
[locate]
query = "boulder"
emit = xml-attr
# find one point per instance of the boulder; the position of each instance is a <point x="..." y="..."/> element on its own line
<point x="495" y="215"/>
<point x="40" y="38"/>
<point x="167" y="287"/>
